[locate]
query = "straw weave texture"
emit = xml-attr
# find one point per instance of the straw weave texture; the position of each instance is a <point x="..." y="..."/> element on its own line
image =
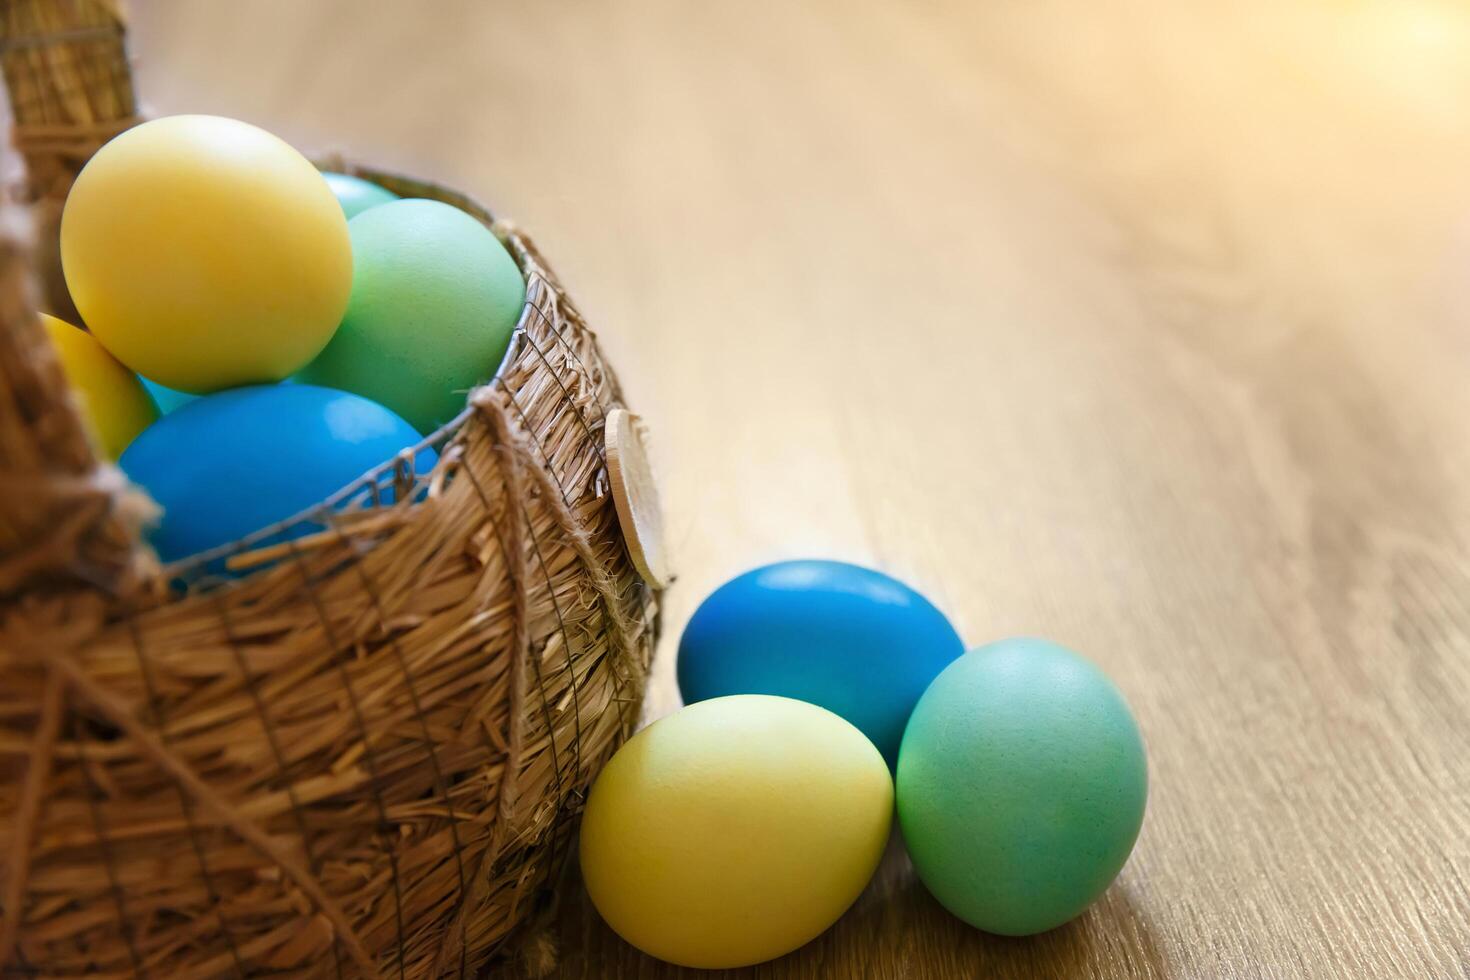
<point x="357" y="753"/>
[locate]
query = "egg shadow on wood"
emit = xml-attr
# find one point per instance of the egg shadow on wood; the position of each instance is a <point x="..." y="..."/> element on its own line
<point x="894" y="930"/>
<point x="1111" y="939"/>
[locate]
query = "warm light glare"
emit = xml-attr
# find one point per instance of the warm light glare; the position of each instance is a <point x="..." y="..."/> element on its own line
<point x="1418" y="50"/>
<point x="1422" y="26"/>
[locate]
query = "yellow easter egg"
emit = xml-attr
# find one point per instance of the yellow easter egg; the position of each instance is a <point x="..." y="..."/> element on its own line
<point x="114" y="404"/>
<point x="735" y="830"/>
<point x="205" y="253"/>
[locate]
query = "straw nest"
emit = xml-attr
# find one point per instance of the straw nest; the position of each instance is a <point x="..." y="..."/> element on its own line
<point x="358" y="753"/>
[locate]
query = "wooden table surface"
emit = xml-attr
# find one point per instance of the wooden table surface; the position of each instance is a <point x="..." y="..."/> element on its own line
<point x="1141" y="325"/>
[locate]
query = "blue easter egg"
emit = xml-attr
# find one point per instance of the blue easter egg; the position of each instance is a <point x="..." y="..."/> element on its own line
<point x="234" y="462"/>
<point x="167" y="399"/>
<point x="355" y="194"/>
<point x="852" y="640"/>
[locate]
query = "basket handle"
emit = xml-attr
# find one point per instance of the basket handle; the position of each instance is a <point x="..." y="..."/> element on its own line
<point x="70" y="84"/>
<point x="65" y="518"/>
<point x="71" y="90"/>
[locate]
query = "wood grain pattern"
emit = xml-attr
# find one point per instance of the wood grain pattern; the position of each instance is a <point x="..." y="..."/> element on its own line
<point x="1140" y="325"/>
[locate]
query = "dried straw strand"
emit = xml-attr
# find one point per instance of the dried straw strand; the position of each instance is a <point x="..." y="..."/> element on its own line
<point x="409" y="703"/>
<point x="120" y="713"/>
<point x="69" y="83"/>
<point x="71" y="90"/>
<point x="356" y="753"/>
<point x="18" y="865"/>
<point x="492" y="629"/>
<point x="63" y="518"/>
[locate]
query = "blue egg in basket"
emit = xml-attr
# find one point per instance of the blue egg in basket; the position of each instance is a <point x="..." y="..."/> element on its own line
<point x="850" y="639"/>
<point x="167" y="399"/>
<point x="231" y="463"/>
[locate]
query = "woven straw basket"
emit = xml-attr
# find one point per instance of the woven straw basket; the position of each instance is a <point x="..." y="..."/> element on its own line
<point x="359" y="753"/>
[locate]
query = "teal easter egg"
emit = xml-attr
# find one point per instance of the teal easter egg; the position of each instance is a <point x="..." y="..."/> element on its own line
<point x="234" y="462"/>
<point x="1021" y="786"/>
<point x="435" y="300"/>
<point x="355" y="194"/>
<point x="853" y="640"/>
<point x="167" y="399"/>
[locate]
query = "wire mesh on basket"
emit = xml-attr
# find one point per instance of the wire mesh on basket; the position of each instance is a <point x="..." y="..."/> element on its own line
<point x="362" y="757"/>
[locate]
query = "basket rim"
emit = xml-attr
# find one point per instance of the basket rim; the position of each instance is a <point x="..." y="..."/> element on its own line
<point x="494" y="637"/>
<point x="440" y="437"/>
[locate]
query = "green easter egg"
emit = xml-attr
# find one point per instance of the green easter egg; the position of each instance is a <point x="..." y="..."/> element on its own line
<point x="355" y="194"/>
<point x="1021" y="786"/>
<point x="435" y="299"/>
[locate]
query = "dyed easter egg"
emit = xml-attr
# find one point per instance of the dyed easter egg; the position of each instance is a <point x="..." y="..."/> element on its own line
<point x="1021" y="786"/>
<point x="205" y="253"/>
<point x="167" y="399"/>
<point x="435" y="299"/>
<point x="114" y="405"/>
<point x="847" y="638"/>
<point x="357" y="195"/>
<point x="735" y="830"/>
<point x="231" y="463"/>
